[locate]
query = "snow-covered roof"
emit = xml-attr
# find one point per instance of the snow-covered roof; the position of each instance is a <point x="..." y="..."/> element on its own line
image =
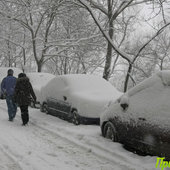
<point x="84" y="82"/>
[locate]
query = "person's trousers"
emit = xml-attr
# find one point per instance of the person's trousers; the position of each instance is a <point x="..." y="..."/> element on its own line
<point x="12" y="107"/>
<point x="24" y="114"/>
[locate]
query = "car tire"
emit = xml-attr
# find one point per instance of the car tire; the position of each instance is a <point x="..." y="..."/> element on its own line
<point x="109" y="132"/>
<point x="75" y="118"/>
<point x="44" y="108"/>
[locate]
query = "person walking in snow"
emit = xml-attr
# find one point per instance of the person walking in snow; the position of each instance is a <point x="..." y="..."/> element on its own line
<point x="7" y="89"/>
<point x="23" y="94"/>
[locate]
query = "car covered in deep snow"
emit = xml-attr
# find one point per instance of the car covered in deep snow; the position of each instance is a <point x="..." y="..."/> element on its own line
<point x="38" y="81"/>
<point x="78" y="98"/>
<point x="3" y="74"/>
<point x="140" y="118"/>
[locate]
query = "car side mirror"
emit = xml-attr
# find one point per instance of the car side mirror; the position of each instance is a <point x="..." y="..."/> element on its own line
<point x="124" y="106"/>
<point x="65" y="98"/>
<point x="124" y="102"/>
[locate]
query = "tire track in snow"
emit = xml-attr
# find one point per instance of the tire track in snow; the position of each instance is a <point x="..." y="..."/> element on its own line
<point x="73" y="150"/>
<point x="116" y="159"/>
<point x="55" y="146"/>
<point x="120" y="161"/>
<point x="8" y="162"/>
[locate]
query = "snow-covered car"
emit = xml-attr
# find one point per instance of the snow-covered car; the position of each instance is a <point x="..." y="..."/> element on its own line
<point x="77" y="98"/>
<point x="140" y="119"/>
<point x="3" y="73"/>
<point x="38" y="81"/>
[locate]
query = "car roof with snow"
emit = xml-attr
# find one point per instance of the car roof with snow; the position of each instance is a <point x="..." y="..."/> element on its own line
<point x="84" y="83"/>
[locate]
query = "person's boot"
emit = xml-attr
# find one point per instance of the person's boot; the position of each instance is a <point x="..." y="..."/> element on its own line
<point x="26" y="117"/>
<point x="23" y="118"/>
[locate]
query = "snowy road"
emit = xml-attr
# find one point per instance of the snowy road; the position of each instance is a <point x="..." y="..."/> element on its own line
<point x="49" y="143"/>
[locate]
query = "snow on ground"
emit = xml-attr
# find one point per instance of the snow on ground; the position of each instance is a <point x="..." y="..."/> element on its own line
<point x="49" y="143"/>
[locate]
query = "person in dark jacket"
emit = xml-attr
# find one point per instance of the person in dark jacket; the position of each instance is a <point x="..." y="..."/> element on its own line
<point x="7" y="89"/>
<point x="23" y="94"/>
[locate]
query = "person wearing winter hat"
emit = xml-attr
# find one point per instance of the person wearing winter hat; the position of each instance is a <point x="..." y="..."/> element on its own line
<point x="23" y="94"/>
<point x="7" y="89"/>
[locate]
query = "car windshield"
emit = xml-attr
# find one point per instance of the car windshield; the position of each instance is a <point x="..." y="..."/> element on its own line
<point x="162" y="77"/>
<point x="150" y="99"/>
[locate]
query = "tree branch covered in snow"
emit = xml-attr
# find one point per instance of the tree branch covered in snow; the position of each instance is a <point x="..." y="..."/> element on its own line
<point x="121" y="53"/>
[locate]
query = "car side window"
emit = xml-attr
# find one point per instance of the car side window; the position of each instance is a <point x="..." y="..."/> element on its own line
<point x="59" y="89"/>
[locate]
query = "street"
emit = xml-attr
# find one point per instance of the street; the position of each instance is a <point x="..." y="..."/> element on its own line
<point x="51" y="143"/>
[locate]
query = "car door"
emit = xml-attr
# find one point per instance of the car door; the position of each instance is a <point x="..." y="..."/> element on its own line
<point x="133" y="124"/>
<point x="57" y="98"/>
<point x="59" y="108"/>
<point x="143" y="133"/>
<point x="135" y="132"/>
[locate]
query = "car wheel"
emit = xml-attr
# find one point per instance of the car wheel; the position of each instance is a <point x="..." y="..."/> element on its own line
<point x="109" y="131"/>
<point x="75" y="118"/>
<point x="44" y="108"/>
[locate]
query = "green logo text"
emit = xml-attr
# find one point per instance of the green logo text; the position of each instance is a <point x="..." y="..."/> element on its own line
<point x="162" y="164"/>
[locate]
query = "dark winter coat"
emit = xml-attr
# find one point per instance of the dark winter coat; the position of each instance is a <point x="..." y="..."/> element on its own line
<point x="24" y="91"/>
<point x="8" y="85"/>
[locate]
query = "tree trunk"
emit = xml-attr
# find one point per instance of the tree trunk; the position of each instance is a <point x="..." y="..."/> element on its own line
<point x="107" y="70"/>
<point x="127" y="77"/>
<point x="39" y="65"/>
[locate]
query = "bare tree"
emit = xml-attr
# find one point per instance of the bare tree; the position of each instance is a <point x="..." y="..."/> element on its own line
<point x="32" y="16"/>
<point x="77" y="45"/>
<point x="121" y="7"/>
